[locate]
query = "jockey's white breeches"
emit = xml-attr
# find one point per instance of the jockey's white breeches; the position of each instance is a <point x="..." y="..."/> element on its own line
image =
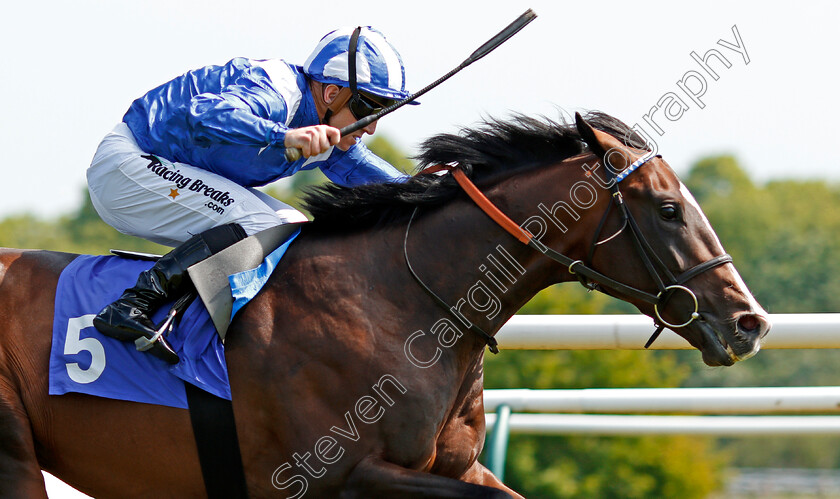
<point x="150" y="197"/>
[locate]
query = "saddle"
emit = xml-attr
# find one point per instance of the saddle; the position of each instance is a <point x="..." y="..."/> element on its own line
<point x="210" y="276"/>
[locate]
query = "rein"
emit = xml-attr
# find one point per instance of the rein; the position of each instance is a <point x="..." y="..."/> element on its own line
<point x="491" y="342"/>
<point x="590" y="278"/>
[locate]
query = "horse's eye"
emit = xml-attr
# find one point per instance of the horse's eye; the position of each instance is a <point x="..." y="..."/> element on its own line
<point x="669" y="212"/>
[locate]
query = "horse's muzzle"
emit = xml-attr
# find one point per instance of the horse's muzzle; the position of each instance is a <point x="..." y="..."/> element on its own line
<point x="729" y="342"/>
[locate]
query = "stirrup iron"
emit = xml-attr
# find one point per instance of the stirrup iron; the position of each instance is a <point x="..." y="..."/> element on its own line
<point x="142" y="344"/>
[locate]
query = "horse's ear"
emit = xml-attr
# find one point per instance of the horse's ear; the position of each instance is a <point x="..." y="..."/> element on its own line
<point x="603" y="144"/>
<point x="587" y="133"/>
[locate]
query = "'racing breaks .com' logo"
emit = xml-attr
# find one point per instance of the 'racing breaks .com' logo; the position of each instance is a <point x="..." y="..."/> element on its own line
<point x="169" y="172"/>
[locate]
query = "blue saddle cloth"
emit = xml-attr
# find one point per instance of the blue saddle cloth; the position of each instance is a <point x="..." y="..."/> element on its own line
<point x="82" y="360"/>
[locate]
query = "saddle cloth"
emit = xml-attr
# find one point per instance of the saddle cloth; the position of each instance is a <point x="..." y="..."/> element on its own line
<point x="82" y="360"/>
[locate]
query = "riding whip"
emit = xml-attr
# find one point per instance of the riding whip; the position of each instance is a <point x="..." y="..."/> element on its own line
<point x="293" y="154"/>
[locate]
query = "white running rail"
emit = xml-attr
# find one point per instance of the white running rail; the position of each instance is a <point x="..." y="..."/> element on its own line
<point x="630" y="332"/>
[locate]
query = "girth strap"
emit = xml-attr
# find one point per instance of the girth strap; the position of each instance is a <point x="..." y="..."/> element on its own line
<point x="214" y="429"/>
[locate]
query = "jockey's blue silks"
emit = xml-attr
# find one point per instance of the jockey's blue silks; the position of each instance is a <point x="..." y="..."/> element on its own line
<point x="232" y="120"/>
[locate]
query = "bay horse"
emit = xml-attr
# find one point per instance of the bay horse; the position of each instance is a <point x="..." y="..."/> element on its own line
<point x="354" y="375"/>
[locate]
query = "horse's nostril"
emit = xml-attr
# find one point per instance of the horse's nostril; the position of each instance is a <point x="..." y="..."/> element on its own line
<point x="749" y="323"/>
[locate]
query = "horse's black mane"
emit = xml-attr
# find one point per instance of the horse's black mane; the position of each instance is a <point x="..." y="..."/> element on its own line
<point x="493" y="148"/>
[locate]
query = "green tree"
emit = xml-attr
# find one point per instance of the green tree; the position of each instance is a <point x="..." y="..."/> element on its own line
<point x="388" y="151"/>
<point x="717" y="176"/>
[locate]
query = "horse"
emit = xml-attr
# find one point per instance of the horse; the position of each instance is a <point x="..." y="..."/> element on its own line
<point x="357" y="370"/>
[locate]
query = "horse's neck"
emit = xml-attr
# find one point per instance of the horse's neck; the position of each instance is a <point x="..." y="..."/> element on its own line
<point x="482" y="273"/>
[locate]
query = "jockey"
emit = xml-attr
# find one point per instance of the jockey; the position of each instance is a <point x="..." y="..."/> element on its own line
<point x="182" y="167"/>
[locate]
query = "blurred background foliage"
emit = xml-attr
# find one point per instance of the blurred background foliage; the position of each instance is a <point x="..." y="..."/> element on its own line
<point x="785" y="238"/>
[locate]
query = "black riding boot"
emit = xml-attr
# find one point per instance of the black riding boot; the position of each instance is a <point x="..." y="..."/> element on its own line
<point x="127" y="319"/>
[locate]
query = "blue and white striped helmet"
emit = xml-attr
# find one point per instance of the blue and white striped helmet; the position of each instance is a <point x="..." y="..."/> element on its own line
<point x="379" y="67"/>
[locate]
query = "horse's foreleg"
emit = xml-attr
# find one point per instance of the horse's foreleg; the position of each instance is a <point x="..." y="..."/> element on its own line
<point x="480" y="475"/>
<point x="20" y="475"/>
<point x="374" y="478"/>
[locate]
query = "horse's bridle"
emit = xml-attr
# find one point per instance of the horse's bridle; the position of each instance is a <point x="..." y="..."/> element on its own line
<point x="590" y="278"/>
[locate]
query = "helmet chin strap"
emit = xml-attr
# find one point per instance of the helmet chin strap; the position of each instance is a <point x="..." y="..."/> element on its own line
<point x="345" y="93"/>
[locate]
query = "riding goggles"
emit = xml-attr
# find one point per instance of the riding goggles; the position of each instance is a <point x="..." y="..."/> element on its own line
<point x="362" y="105"/>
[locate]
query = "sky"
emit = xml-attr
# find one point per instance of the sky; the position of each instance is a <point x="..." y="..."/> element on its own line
<point x="71" y="69"/>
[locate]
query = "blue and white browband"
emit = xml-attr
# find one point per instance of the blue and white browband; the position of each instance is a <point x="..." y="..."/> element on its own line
<point x="636" y="164"/>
